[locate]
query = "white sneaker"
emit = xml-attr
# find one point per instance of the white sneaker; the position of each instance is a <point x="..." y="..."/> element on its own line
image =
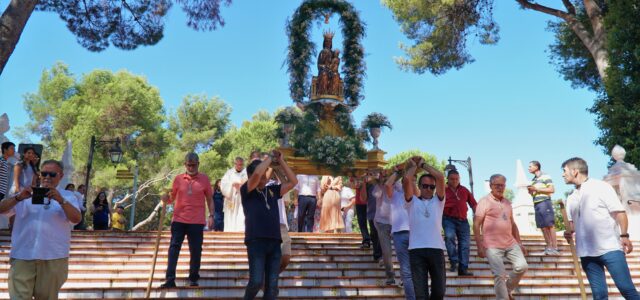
<point x="546" y="251"/>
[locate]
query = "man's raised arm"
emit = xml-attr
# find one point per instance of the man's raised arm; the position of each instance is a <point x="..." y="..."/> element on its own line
<point x="409" y="180"/>
<point x="260" y="170"/>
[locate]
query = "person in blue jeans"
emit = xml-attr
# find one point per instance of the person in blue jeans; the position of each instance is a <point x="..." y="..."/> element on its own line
<point x="218" y="204"/>
<point x="400" y="229"/>
<point x="599" y="223"/>
<point x="262" y="220"/>
<point x="455" y="223"/>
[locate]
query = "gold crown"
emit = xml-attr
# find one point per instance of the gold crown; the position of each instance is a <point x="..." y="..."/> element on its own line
<point x="328" y="34"/>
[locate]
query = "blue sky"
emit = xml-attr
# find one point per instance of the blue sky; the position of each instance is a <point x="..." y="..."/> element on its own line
<point x="510" y="104"/>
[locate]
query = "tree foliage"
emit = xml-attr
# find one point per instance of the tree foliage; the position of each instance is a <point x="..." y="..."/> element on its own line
<point x="440" y="30"/>
<point x="122" y="105"/>
<point x="102" y="104"/>
<point x="199" y="122"/>
<point x="125" y="24"/>
<point x="257" y="134"/>
<point x="405" y="155"/>
<point x="571" y="58"/>
<point x="618" y="109"/>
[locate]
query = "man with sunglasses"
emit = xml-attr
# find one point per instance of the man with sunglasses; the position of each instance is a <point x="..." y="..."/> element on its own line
<point x="191" y="194"/>
<point x="40" y="240"/>
<point x="498" y="239"/>
<point x="425" y="206"/>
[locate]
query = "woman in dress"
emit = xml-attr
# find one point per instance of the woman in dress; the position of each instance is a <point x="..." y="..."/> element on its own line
<point x="218" y="204"/>
<point x="25" y="171"/>
<point x="331" y="216"/>
<point x="101" y="212"/>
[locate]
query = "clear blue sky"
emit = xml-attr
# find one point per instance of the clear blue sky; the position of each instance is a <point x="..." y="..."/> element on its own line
<point x="510" y="104"/>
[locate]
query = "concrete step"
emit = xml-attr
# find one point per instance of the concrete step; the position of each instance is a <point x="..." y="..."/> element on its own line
<point x="324" y="266"/>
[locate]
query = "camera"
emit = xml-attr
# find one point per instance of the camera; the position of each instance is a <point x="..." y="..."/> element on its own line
<point x="38" y="195"/>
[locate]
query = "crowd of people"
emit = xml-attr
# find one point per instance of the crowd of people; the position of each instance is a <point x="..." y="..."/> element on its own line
<point x="402" y="211"/>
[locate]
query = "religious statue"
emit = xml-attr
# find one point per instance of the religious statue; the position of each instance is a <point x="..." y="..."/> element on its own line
<point x="335" y="81"/>
<point x="328" y="84"/>
<point x="324" y="64"/>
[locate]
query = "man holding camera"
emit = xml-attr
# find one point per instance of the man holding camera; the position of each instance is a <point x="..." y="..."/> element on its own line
<point x="263" y="236"/>
<point x="40" y="240"/>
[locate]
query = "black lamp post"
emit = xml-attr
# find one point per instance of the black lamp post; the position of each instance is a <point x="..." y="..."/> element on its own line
<point x="115" y="154"/>
<point x="466" y="163"/>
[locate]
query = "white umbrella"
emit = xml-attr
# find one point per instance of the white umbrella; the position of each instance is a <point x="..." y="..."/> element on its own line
<point x="67" y="161"/>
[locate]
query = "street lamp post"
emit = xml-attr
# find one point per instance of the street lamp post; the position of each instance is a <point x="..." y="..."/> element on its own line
<point x="115" y="155"/>
<point x="466" y="163"/>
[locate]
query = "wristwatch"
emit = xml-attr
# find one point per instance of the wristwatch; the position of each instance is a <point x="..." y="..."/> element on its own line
<point x="626" y="235"/>
<point x="63" y="201"/>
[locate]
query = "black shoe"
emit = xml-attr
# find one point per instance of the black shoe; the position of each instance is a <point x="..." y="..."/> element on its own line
<point x="193" y="283"/>
<point x="454" y="267"/>
<point x="464" y="272"/>
<point x="365" y="245"/>
<point x="168" y="285"/>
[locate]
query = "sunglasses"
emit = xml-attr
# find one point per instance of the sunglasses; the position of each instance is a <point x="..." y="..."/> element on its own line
<point x="428" y="186"/>
<point x="48" y="174"/>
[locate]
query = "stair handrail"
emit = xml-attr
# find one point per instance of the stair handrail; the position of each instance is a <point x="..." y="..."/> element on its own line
<point x="576" y="264"/>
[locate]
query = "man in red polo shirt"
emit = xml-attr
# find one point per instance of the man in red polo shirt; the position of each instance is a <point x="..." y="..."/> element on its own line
<point x="188" y="195"/>
<point x="456" y="225"/>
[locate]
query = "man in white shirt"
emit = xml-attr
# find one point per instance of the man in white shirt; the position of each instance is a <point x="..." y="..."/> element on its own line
<point x="308" y="193"/>
<point x="400" y="229"/>
<point x="600" y="223"/>
<point x="425" y="206"/>
<point x="230" y="188"/>
<point x="40" y="254"/>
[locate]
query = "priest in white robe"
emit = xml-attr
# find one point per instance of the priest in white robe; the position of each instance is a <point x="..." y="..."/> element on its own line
<point x="230" y="186"/>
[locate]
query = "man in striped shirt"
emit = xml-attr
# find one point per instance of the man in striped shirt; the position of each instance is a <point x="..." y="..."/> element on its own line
<point x="541" y="189"/>
<point x="8" y="150"/>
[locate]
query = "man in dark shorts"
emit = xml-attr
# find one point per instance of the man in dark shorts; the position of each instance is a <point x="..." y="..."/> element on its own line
<point x="541" y="189"/>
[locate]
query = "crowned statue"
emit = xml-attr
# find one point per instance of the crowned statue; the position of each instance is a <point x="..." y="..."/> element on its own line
<point x="327" y="86"/>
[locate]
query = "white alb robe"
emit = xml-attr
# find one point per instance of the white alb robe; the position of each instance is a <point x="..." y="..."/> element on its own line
<point x="233" y="213"/>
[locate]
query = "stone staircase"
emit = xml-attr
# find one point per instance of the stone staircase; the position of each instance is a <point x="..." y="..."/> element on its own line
<point x="324" y="266"/>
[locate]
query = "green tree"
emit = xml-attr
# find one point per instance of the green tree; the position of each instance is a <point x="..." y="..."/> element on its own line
<point x="442" y="28"/>
<point x="104" y="104"/>
<point x="199" y="122"/>
<point x="96" y="23"/>
<point x="595" y="47"/>
<point x="257" y="134"/>
<point x="509" y="194"/>
<point x="405" y="155"/>
<point x="617" y="111"/>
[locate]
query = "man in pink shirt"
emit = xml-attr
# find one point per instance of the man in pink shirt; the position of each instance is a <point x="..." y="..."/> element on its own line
<point x="498" y="239"/>
<point x="188" y="195"/>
